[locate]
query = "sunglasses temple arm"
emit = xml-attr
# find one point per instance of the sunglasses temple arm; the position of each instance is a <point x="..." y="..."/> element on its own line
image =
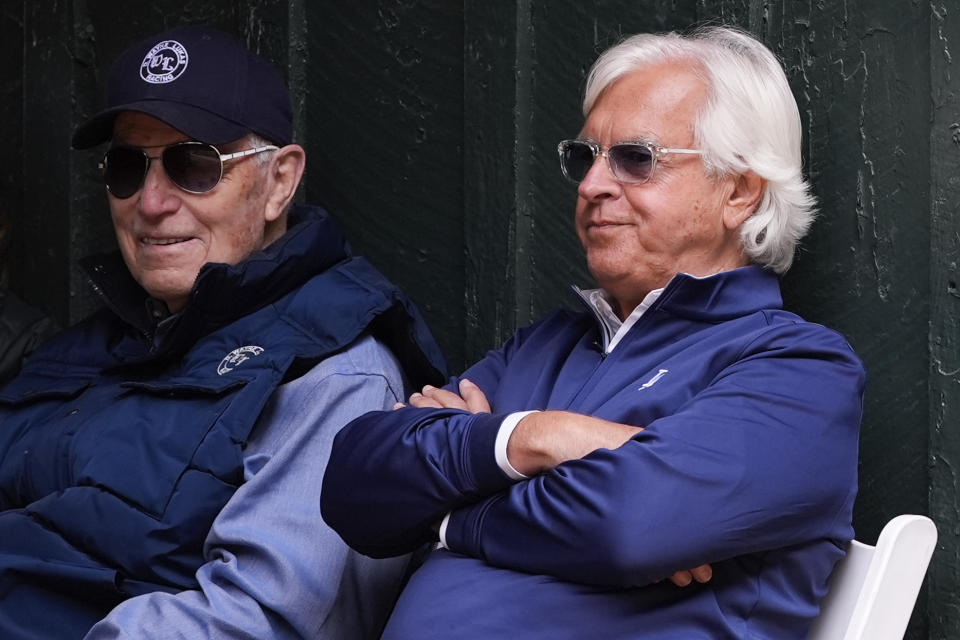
<point x="248" y="152"/>
<point x="687" y="151"/>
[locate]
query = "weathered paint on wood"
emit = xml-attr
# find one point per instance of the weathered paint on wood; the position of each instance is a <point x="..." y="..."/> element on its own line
<point x="944" y="370"/>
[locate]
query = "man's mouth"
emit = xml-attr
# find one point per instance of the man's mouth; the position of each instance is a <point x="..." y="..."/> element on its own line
<point x="606" y="223"/>
<point x="162" y="241"/>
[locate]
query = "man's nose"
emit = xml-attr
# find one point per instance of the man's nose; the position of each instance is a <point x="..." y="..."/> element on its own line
<point x="599" y="182"/>
<point x="158" y="195"/>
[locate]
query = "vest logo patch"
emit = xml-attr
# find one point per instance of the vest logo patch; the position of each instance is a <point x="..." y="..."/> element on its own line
<point x="652" y="381"/>
<point x="237" y="357"/>
<point x="164" y="63"/>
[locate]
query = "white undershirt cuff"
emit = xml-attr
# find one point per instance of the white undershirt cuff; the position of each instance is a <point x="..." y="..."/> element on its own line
<point x="503" y="437"/>
<point x="443" y="530"/>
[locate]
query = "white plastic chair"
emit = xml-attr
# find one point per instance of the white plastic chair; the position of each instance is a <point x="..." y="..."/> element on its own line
<point x="873" y="589"/>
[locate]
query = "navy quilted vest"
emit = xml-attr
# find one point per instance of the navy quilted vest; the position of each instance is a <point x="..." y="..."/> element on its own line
<point x="121" y="442"/>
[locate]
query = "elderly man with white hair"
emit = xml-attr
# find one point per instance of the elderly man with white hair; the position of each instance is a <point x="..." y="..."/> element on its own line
<point x="684" y="426"/>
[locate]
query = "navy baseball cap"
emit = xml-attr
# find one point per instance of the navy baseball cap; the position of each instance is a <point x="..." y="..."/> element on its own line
<point x="200" y="81"/>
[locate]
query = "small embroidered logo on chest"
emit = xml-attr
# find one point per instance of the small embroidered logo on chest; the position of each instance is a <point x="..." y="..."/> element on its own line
<point x="237" y="357"/>
<point x="652" y="381"/>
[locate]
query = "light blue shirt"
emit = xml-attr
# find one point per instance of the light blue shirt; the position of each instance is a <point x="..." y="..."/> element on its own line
<point x="274" y="569"/>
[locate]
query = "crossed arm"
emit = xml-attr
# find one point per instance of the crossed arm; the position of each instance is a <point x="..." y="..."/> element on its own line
<point x="543" y="440"/>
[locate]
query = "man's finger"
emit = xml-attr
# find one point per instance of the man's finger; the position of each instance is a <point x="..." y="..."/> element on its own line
<point x="703" y="573"/>
<point x="421" y="401"/>
<point x="443" y="398"/>
<point x="475" y="398"/>
<point x="681" y="578"/>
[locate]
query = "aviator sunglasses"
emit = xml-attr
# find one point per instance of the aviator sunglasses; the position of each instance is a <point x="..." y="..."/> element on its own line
<point x="630" y="162"/>
<point x="195" y="167"/>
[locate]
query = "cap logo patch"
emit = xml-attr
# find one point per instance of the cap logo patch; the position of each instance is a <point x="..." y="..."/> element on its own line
<point x="237" y="357"/>
<point x="164" y="63"/>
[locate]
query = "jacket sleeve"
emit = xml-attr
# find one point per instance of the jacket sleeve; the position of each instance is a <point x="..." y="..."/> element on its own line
<point x="393" y="475"/>
<point x="764" y="457"/>
<point x="273" y="568"/>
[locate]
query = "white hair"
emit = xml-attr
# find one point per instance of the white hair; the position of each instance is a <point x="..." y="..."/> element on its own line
<point x="276" y="228"/>
<point x="255" y="140"/>
<point x="749" y="122"/>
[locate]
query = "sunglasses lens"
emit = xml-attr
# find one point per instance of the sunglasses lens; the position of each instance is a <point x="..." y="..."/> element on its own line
<point x="631" y="162"/>
<point x="576" y="158"/>
<point x="123" y="171"/>
<point x="193" y="167"/>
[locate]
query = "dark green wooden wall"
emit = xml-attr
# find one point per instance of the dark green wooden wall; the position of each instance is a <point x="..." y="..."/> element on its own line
<point x="430" y="128"/>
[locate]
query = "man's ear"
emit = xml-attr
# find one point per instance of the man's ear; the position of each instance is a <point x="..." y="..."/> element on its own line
<point x="747" y="190"/>
<point x="286" y="171"/>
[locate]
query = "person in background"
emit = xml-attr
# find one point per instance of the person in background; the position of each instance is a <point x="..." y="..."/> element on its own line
<point x="683" y="420"/>
<point x="160" y="462"/>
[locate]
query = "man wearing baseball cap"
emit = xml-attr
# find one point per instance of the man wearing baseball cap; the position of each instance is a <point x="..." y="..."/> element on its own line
<point x="160" y="462"/>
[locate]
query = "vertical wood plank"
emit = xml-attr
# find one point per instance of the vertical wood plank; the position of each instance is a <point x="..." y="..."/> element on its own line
<point x="944" y="603"/>
<point x="87" y="217"/>
<point x="496" y="80"/>
<point x="298" y="60"/>
<point x="385" y="148"/>
<point x="11" y="130"/>
<point x="40" y="258"/>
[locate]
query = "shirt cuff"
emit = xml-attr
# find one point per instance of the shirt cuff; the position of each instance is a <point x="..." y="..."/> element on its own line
<point x="443" y="530"/>
<point x="500" y="447"/>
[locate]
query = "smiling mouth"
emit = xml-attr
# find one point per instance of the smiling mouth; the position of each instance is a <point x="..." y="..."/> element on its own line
<point x="607" y="223"/>
<point x="162" y="241"/>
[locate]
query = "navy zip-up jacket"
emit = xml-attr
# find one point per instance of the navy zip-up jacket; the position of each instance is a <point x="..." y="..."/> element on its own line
<point x="748" y="461"/>
<point x="122" y="439"/>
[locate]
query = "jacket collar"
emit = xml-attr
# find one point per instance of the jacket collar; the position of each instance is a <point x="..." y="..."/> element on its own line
<point x="222" y="292"/>
<point x="723" y="296"/>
